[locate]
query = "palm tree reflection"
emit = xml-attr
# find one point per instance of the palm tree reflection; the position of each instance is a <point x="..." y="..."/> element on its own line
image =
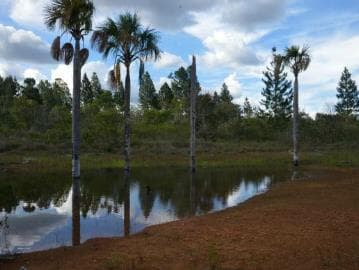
<point x="76" y="237"/>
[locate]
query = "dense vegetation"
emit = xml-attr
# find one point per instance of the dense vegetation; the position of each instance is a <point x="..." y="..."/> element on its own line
<point x="38" y="116"/>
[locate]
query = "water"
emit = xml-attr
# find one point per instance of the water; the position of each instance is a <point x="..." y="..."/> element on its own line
<point x="40" y="212"/>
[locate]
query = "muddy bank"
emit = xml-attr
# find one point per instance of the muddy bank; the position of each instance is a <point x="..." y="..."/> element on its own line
<point x="310" y="223"/>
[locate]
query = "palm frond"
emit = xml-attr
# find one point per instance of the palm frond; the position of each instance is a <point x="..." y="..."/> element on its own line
<point x="67" y="53"/>
<point x="112" y="80"/>
<point x="56" y="48"/>
<point x="74" y="16"/>
<point x="84" y="55"/>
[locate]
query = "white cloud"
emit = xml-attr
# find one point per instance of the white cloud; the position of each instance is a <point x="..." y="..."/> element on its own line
<point x="161" y="82"/>
<point x="34" y="73"/>
<point x="329" y="55"/>
<point x="65" y="72"/>
<point x="23" y="46"/>
<point x="233" y="84"/>
<point x="229" y="30"/>
<point x="169" y="60"/>
<point x="10" y="70"/>
<point x="28" y="12"/>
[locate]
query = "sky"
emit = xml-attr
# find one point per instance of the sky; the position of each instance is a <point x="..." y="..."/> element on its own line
<point x="232" y="40"/>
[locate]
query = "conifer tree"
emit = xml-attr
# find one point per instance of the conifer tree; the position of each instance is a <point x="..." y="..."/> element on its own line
<point x="278" y="92"/>
<point x="96" y="85"/>
<point x="147" y="95"/>
<point x="87" y="93"/>
<point x="225" y="95"/>
<point x="348" y="95"/>
<point x="165" y="96"/>
<point x="248" y="110"/>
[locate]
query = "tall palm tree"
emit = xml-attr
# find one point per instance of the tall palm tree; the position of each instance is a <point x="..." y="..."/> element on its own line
<point x="127" y="41"/>
<point x="298" y="60"/>
<point x="73" y="17"/>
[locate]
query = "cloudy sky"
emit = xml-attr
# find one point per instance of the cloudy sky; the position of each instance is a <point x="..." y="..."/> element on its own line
<point x="231" y="38"/>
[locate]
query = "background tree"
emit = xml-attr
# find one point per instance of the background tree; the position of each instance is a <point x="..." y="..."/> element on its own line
<point x="348" y="95"/>
<point x="87" y="94"/>
<point x="165" y="96"/>
<point x="225" y="95"/>
<point x="127" y="41"/>
<point x="278" y="92"/>
<point x="96" y="85"/>
<point x="298" y="60"/>
<point x="30" y="91"/>
<point x="148" y="97"/>
<point x="73" y="17"/>
<point x="248" y="109"/>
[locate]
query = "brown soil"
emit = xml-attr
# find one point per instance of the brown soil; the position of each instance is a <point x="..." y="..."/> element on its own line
<point x="311" y="223"/>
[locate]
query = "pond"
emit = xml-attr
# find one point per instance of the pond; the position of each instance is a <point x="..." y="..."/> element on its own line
<point x="39" y="212"/>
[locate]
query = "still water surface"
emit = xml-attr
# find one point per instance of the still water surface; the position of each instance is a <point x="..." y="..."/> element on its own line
<point x="40" y="212"/>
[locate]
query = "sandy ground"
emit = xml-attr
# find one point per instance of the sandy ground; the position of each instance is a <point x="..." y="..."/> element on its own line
<point x="309" y="223"/>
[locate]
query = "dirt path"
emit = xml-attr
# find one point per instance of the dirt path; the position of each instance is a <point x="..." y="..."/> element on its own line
<point x="305" y="224"/>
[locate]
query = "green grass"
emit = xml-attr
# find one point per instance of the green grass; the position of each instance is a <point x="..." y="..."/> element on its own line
<point x="212" y="157"/>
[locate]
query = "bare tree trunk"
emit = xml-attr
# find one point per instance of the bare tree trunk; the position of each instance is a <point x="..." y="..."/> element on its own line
<point x="193" y="97"/>
<point x="76" y="112"/>
<point x="127" y="121"/>
<point x="76" y="233"/>
<point x="295" y="122"/>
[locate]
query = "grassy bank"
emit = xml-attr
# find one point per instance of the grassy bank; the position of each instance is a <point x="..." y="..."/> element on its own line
<point x="246" y="157"/>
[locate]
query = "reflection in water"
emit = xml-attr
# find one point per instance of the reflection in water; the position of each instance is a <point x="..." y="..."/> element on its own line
<point x="47" y="211"/>
<point x="4" y="228"/>
<point x="76" y="197"/>
<point x="126" y="206"/>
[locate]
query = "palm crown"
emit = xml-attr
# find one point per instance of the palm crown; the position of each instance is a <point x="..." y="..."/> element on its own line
<point x="297" y="59"/>
<point x="73" y="17"/>
<point x="126" y="40"/>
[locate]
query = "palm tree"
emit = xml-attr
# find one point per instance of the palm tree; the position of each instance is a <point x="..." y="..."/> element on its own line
<point x="298" y="60"/>
<point x="127" y="41"/>
<point x="73" y="17"/>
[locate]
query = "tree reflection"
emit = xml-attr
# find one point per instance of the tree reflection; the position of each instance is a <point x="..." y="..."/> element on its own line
<point x="76" y="198"/>
<point x="126" y="206"/>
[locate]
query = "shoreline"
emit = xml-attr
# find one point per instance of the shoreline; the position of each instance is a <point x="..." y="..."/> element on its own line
<point x="305" y="224"/>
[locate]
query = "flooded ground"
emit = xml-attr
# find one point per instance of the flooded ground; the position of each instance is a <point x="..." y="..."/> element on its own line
<point x="40" y="212"/>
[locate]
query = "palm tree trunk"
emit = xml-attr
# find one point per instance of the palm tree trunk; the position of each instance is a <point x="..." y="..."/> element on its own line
<point x="76" y="112"/>
<point x="127" y="121"/>
<point x="193" y="96"/>
<point x="295" y="122"/>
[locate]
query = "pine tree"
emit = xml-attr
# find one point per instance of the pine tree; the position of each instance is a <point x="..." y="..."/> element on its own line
<point x="87" y="93"/>
<point x="147" y="95"/>
<point x="165" y="96"/>
<point x="96" y="85"/>
<point x="248" y="110"/>
<point x="216" y="98"/>
<point x="225" y="95"/>
<point x="119" y="95"/>
<point x="29" y="91"/>
<point x="278" y="92"/>
<point x="348" y="95"/>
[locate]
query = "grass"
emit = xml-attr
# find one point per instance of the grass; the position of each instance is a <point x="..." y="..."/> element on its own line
<point x="242" y="156"/>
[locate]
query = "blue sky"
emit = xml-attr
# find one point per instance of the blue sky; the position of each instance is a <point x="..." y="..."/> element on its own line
<point x="232" y="40"/>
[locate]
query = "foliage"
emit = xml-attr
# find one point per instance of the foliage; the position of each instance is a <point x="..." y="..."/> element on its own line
<point x="277" y="94"/>
<point x="148" y="98"/>
<point x="348" y="95"/>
